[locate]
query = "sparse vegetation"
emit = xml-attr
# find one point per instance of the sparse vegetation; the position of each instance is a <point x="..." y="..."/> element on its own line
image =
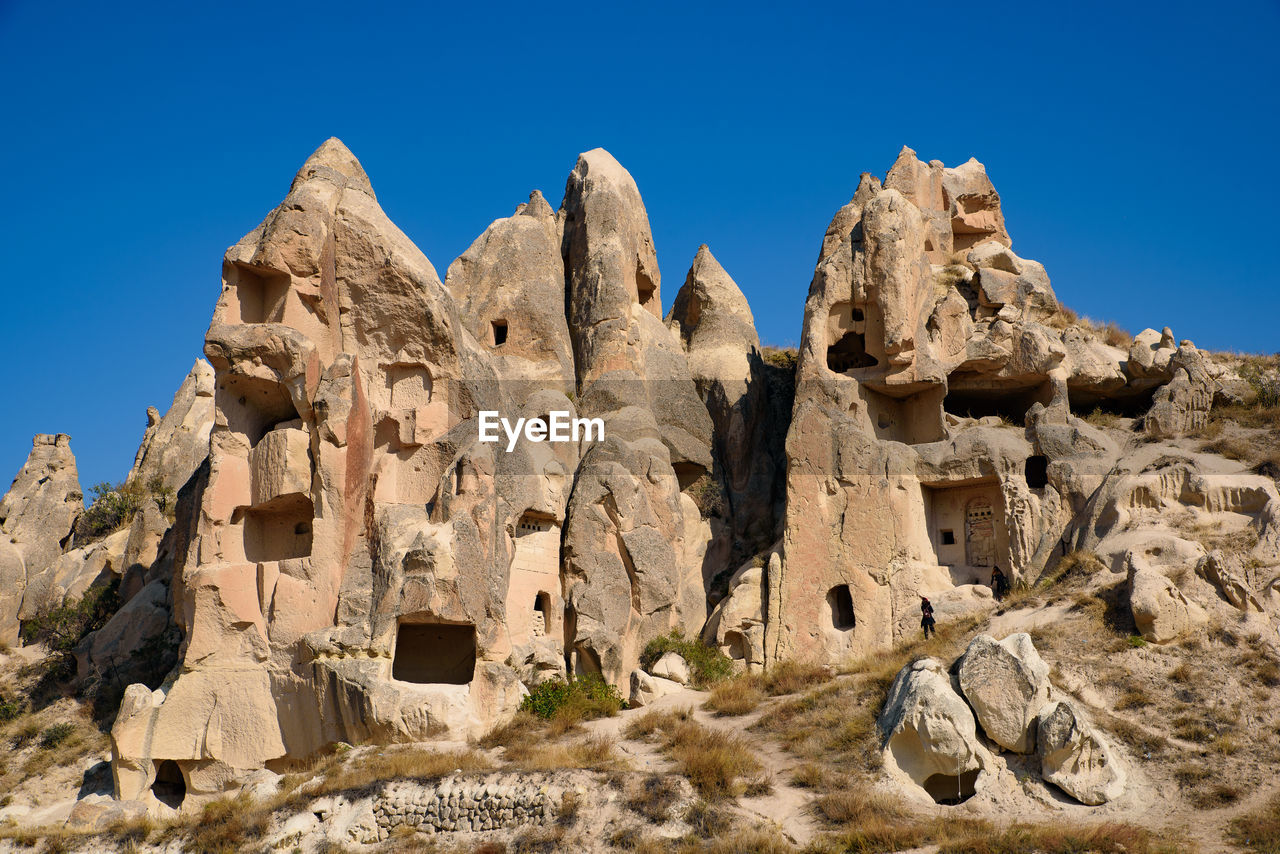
<point x="780" y="357"/>
<point x="738" y="696"/>
<point x="654" y="797"/>
<point x="1258" y="830"/>
<point x="114" y="506"/>
<point x="714" y="761"/>
<point x="396" y="764"/>
<point x="580" y="699"/>
<point x="708" y="495"/>
<point x="707" y="665"/>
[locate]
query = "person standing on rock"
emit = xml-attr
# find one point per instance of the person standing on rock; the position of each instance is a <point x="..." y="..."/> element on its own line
<point x="926" y="618"/>
<point x="999" y="584"/>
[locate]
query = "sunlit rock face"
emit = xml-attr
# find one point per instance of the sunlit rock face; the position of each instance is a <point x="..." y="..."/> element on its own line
<point x="362" y="566"/>
<point x="351" y="562"/>
<point x="926" y="338"/>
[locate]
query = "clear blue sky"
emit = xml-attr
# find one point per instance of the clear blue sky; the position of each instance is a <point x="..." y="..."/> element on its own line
<point x="1134" y="145"/>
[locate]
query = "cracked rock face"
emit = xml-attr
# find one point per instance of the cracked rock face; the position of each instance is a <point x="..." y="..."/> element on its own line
<point x="350" y="562"/>
<point x="362" y="567"/>
<point x="1075" y="757"/>
<point x="1007" y="683"/>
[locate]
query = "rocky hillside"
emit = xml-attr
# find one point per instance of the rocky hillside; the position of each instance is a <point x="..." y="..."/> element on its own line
<point x="325" y="611"/>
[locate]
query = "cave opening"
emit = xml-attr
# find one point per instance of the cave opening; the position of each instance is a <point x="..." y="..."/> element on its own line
<point x="1036" y="471"/>
<point x="737" y="645"/>
<point x="850" y="353"/>
<point x="169" y="787"/>
<point x="541" y="614"/>
<point x="434" y="653"/>
<point x="1090" y="406"/>
<point x="950" y="789"/>
<point x="978" y="399"/>
<point x="840" y="601"/>
<point x="254" y="407"/>
<point x="279" y="529"/>
<point x="499" y="329"/>
<point x="260" y="292"/>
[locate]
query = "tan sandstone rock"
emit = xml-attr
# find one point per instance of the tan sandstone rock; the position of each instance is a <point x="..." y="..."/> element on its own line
<point x="929" y="733"/>
<point x="1076" y="759"/>
<point x="1007" y="683"/>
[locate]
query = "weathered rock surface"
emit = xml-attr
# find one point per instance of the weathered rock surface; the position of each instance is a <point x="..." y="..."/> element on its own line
<point x="749" y="410"/>
<point x="1160" y="610"/>
<point x="929" y="734"/>
<point x="671" y="666"/>
<point x="175" y="445"/>
<point x="1076" y="759"/>
<point x="1007" y="683"/>
<point x="37" y="519"/>
<point x="351" y="562"/>
<point x="645" y="688"/>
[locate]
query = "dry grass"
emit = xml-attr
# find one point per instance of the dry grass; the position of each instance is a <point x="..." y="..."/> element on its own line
<point x="1063" y="318"/>
<point x="1214" y="536"/>
<point x="737" y="696"/>
<point x="714" y="761"/>
<point x="743" y="693"/>
<point x="595" y="753"/>
<point x="1109" y="331"/>
<point x="654" y="797"/>
<point x="1100" y="417"/>
<point x="392" y="764"/>
<point x="1134" y="698"/>
<point x="1258" y="830"/>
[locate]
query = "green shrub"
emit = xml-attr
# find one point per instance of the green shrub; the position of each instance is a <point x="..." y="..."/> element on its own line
<point x="55" y="735"/>
<point x="584" y="698"/>
<point x="10" y="708"/>
<point x="114" y="506"/>
<point x="1263" y="379"/>
<point x="707" y="665"/>
<point x="65" y="626"/>
<point x="708" y="494"/>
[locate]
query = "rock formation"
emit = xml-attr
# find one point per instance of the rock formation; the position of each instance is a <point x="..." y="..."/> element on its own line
<point x="1076" y="759"/>
<point x="929" y="734"/>
<point x="349" y="560"/>
<point x="37" y="520"/>
<point x="1007" y="683"/>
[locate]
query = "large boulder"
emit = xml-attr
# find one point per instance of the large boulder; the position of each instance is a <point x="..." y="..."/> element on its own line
<point x="1076" y="759"/>
<point x="1007" y="683"/>
<point x="646" y="688"/>
<point x="1160" y="610"/>
<point x="929" y="734"/>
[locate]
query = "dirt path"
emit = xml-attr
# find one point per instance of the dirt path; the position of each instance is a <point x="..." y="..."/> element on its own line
<point x="786" y="806"/>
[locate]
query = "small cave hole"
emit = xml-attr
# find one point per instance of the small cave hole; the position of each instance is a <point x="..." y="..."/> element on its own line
<point x="541" y="614"/>
<point x="948" y="538"/>
<point x="841" y="602"/>
<point x="949" y="790"/>
<point x="170" y="787"/>
<point x="434" y="653"/>
<point x="1036" y="470"/>
<point x="850" y="353"/>
<point x="278" y="530"/>
<point x="499" y="328"/>
<point x="645" y="289"/>
<point x="737" y="645"/>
